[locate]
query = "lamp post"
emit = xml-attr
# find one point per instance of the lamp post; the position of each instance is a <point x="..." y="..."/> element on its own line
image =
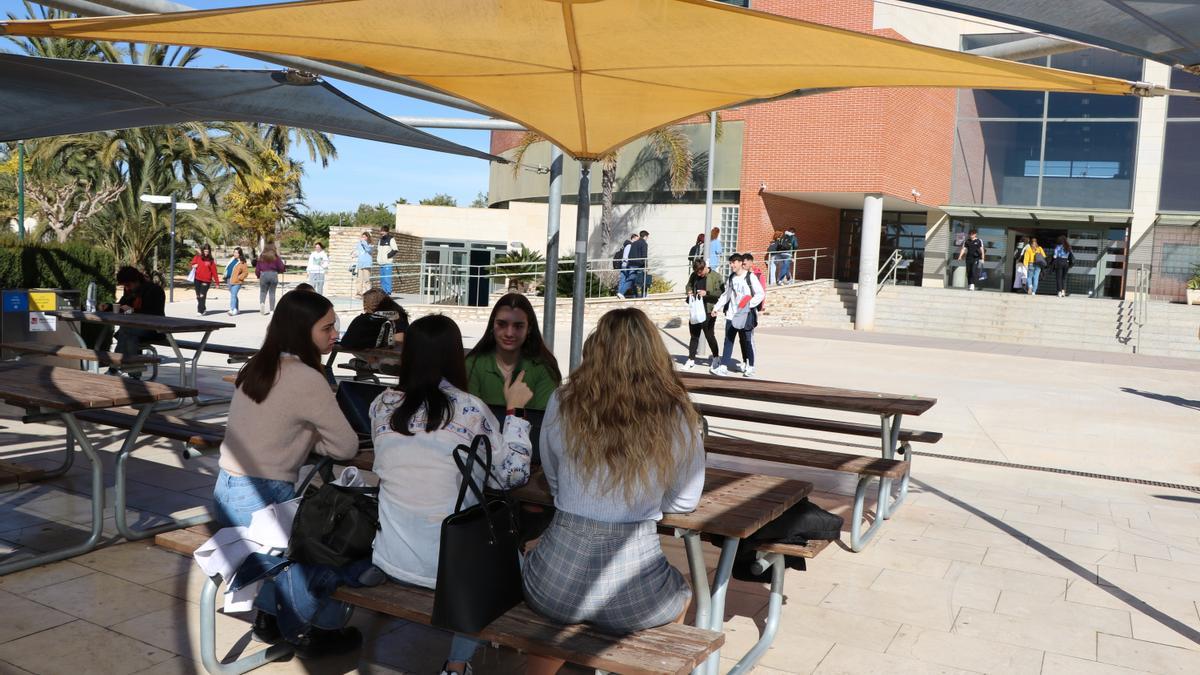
<point x="175" y="205"/>
<point x="21" y="188"/>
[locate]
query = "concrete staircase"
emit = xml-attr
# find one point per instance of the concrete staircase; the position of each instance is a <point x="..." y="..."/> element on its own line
<point x="1075" y="323"/>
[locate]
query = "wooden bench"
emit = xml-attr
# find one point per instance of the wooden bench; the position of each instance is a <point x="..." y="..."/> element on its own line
<point x="906" y="437"/>
<point x="674" y="648"/>
<point x="234" y="353"/>
<point x="18" y="474"/>
<point x="866" y="468"/>
<point x="109" y="359"/>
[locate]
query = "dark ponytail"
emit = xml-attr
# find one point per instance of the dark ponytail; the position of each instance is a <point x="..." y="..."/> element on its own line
<point x="432" y="353"/>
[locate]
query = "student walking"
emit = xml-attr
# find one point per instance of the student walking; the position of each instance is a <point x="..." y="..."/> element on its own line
<point x="416" y="428"/>
<point x="384" y="252"/>
<point x="696" y="252"/>
<point x="626" y="261"/>
<point x="268" y="268"/>
<point x="751" y="267"/>
<point x="974" y="252"/>
<point x="237" y="278"/>
<point x="787" y="262"/>
<point x="705" y="285"/>
<point x="1020" y="269"/>
<point x="318" y="263"/>
<point x="743" y="293"/>
<point x="362" y="264"/>
<point x="204" y="275"/>
<point x="716" y="251"/>
<point x="1063" y="260"/>
<point x="615" y="465"/>
<point x="1035" y="261"/>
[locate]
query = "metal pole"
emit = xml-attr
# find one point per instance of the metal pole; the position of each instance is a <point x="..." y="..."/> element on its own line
<point x="21" y="189"/>
<point x="708" y="196"/>
<point x="171" y="269"/>
<point x="581" y="240"/>
<point x="550" y="302"/>
<point x="868" y="262"/>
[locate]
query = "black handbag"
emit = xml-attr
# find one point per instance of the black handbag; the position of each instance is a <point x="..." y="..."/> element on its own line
<point x="334" y="525"/>
<point x="479" y="570"/>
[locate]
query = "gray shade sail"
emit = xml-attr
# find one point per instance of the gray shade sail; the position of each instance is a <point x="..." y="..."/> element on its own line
<point x="1160" y="30"/>
<point x="54" y="97"/>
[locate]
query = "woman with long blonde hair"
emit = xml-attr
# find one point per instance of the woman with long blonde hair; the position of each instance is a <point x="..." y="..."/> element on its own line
<point x="621" y="445"/>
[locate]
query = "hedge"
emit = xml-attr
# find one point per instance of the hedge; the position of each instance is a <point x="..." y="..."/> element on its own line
<point x="72" y="265"/>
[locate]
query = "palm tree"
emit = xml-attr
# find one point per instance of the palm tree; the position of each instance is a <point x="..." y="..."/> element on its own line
<point x="669" y="144"/>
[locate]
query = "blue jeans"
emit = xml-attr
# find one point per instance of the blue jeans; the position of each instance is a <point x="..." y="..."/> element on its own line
<point x="385" y="278"/>
<point x="634" y="278"/>
<point x="1032" y="278"/>
<point x="462" y="647"/>
<point x="238" y="497"/>
<point x="784" y="268"/>
<point x="233" y="291"/>
<point x="745" y="337"/>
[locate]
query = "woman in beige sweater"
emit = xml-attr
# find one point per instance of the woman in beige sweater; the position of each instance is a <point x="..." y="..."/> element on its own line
<point x="282" y="411"/>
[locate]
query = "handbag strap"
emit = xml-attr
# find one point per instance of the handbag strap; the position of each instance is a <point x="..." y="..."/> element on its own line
<point x="324" y="467"/>
<point x="467" y="468"/>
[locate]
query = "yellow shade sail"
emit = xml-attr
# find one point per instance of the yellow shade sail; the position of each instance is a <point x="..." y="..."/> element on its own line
<point x="590" y="75"/>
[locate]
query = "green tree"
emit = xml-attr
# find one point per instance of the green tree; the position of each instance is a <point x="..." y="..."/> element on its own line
<point x="440" y="199"/>
<point x="376" y="216"/>
<point x="480" y="201"/>
<point x="8" y="186"/>
<point x="261" y="205"/>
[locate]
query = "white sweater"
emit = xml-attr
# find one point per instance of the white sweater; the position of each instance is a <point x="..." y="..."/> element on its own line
<point x="419" y="481"/>
<point x="740" y="286"/>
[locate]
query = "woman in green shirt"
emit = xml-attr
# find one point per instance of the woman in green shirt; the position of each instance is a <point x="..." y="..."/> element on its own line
<point x="513" y="344"/>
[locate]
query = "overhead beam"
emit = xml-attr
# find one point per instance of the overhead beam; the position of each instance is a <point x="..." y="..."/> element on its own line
<point x="490" y="124"/>
<point x="395" y="85"/>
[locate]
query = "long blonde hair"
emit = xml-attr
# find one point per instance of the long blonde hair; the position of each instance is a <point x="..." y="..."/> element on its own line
<point x="621" y="407"/>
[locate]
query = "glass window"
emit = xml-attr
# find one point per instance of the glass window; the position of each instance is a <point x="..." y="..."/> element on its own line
<point x="996" y="163"/>
<point x="1096" y="62"/>
<point x="1184" y="106"/>
<point x="1089" y="165"/>
<point x="1181" y="166"/>
<point x="729" y="229"/>
<point x="999" y="103"/>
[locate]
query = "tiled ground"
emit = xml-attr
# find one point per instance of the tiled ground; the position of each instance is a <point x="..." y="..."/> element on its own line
<point x="986" y="569"/>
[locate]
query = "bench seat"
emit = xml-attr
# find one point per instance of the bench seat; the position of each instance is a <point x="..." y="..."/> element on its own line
<point x="235" y="353"/>
<point x="112" y="359"/>
<point x="800" y="422"/>
<point x="674" y="648"/>
<point x="200" y="435"/>
<point x="817" y="459"/>
<point x="17" y="474"/>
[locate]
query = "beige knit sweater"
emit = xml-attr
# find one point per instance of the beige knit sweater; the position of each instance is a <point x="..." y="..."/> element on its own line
<point x="273" y="438"/>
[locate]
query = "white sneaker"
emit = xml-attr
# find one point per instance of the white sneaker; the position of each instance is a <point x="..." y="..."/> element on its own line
<point x="720" y="370"/>
<point x="233" y="312"/>
<point x="748" y="371"/>
<point x="620" y="296"/>
<point x="466" y="671"/>
<point x="689" y="364"/>
<point x="971" y="287"/>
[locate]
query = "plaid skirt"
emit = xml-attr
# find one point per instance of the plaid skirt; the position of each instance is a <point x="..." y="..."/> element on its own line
<point x="611" y="575"/>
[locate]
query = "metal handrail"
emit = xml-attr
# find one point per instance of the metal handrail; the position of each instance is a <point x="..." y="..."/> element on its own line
<point x="890" y="268"/>
<point x="1141" y="304"/>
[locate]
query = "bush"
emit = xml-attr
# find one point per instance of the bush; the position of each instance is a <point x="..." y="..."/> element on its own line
<point x="597" y="286"/>
<point x="72" y="265"/>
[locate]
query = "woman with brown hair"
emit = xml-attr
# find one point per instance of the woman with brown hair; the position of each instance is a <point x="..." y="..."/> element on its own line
<point x="512" y="345"/>
<point x="268" y="268"/>
<point x="621" y="445"/>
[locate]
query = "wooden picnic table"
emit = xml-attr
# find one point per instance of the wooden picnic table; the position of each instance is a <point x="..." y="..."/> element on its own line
<point x="168" y="326"/>
<point x="734" y="506"/>
<point x="66" y="391"/>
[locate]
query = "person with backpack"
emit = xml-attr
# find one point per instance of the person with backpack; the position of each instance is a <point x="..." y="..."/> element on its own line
<point x="382" y="319"/>
<point x="974" y="252"/>
<point x="1063" y="260"/>
<point x="623" y="261"/>
<point x="748" y="263"/>
<point x="743" y="294"/>
<point x="788" y="245"/>
<point x="696" y="252"/>
<point x="1035" y="261"/>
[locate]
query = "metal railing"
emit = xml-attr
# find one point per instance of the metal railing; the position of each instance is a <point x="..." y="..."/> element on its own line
<point x="1141" y="303"/>
<point x="459" y="283"/>
<point x="891" y="266"/>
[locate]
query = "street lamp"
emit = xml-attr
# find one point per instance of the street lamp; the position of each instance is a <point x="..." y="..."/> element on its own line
<point x="185" y="206"/>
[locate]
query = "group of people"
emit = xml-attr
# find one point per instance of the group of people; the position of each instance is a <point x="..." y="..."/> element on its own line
<point x="614" y="464"/>
<point x="630" y="260"/>
<point x="204" y="275"/>
<point x="738" y="298"/>
<point x="781" y="255"/>
<point x="1031" y="259"/>
<point x="368" y="255"/>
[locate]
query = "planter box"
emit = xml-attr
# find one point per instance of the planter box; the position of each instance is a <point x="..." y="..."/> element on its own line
<point x="1193" y="296"/>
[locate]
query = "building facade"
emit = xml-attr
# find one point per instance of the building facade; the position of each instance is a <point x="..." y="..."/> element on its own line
<point x="1111" y="174"/>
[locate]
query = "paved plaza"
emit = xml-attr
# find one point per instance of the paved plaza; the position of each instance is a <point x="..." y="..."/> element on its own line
<point x="993" y="566"/>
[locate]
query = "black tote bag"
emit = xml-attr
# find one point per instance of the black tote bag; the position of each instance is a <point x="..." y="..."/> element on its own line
<point x="479" y="571"/>
<point x="334" y="525"/>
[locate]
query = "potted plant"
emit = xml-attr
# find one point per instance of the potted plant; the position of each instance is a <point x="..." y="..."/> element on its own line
<point x="520" y="268"/>
<point x="1193" y="288"/>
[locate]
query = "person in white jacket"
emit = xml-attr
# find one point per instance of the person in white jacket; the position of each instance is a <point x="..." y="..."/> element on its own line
<point x="743" y="294"/>
<point x="318" y="263"/>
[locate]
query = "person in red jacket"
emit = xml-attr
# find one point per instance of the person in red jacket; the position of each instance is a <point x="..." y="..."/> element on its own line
<point x="204" y="270"/>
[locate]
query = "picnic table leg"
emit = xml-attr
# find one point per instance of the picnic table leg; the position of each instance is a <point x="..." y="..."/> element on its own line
<point x="122" y="517"/>
<point x="858" y="538"/>
<point x="890" y="436"/>
<point x="214" y="400"/>
<point x="716" y="620"/>
<point x="700" y="590"/>
<point x="208" y="638"/>
<point x="68" y="460"/>
<point x="774" y="609"/>
<point x="97" y="507"/>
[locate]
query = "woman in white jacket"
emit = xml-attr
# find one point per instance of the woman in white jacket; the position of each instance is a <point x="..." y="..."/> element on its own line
<point x="416" y="427"/>
<point x="743" y="294"/>
<point x="318" y="263"/>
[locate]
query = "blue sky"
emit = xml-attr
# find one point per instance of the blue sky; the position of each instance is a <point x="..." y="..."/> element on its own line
<point x="365" y="171"/>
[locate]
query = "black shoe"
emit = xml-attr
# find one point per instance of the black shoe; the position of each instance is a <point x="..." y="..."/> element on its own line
<point x="319" y="643"/>
<point x="266" y="629"/>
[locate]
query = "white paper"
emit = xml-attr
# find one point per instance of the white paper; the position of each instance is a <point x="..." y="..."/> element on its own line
<point x="40" y="322"/>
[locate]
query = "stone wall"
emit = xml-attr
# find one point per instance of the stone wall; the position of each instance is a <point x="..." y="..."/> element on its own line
<point x="340" y="283"/>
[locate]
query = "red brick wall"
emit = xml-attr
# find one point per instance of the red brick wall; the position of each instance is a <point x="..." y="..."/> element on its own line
<point x="816" y="226"/>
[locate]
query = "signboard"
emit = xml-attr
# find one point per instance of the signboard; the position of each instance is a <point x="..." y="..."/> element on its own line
<point x="43" y="301"/>
<point x="40" y="322"/>
<point x="16" y="301"/>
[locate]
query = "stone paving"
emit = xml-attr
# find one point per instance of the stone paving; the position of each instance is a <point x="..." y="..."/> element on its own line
<point x="987" y="568"/>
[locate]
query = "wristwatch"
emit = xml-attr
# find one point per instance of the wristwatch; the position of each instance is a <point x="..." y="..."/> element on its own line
<point x="516" y="412"/>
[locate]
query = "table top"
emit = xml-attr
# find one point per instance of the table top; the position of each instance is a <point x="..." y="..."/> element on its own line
<point x="807" y="395"/>
<point x="159" y="324"/>
<point x="373" y="352"/>
<point x="70" y="390"/>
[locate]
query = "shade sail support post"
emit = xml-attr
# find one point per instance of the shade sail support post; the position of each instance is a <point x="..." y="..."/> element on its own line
<point x="578" y="301"/>
<point x="868" y="261"/>
<point x="550" y="281"/>
<point x="708" y="190"/>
